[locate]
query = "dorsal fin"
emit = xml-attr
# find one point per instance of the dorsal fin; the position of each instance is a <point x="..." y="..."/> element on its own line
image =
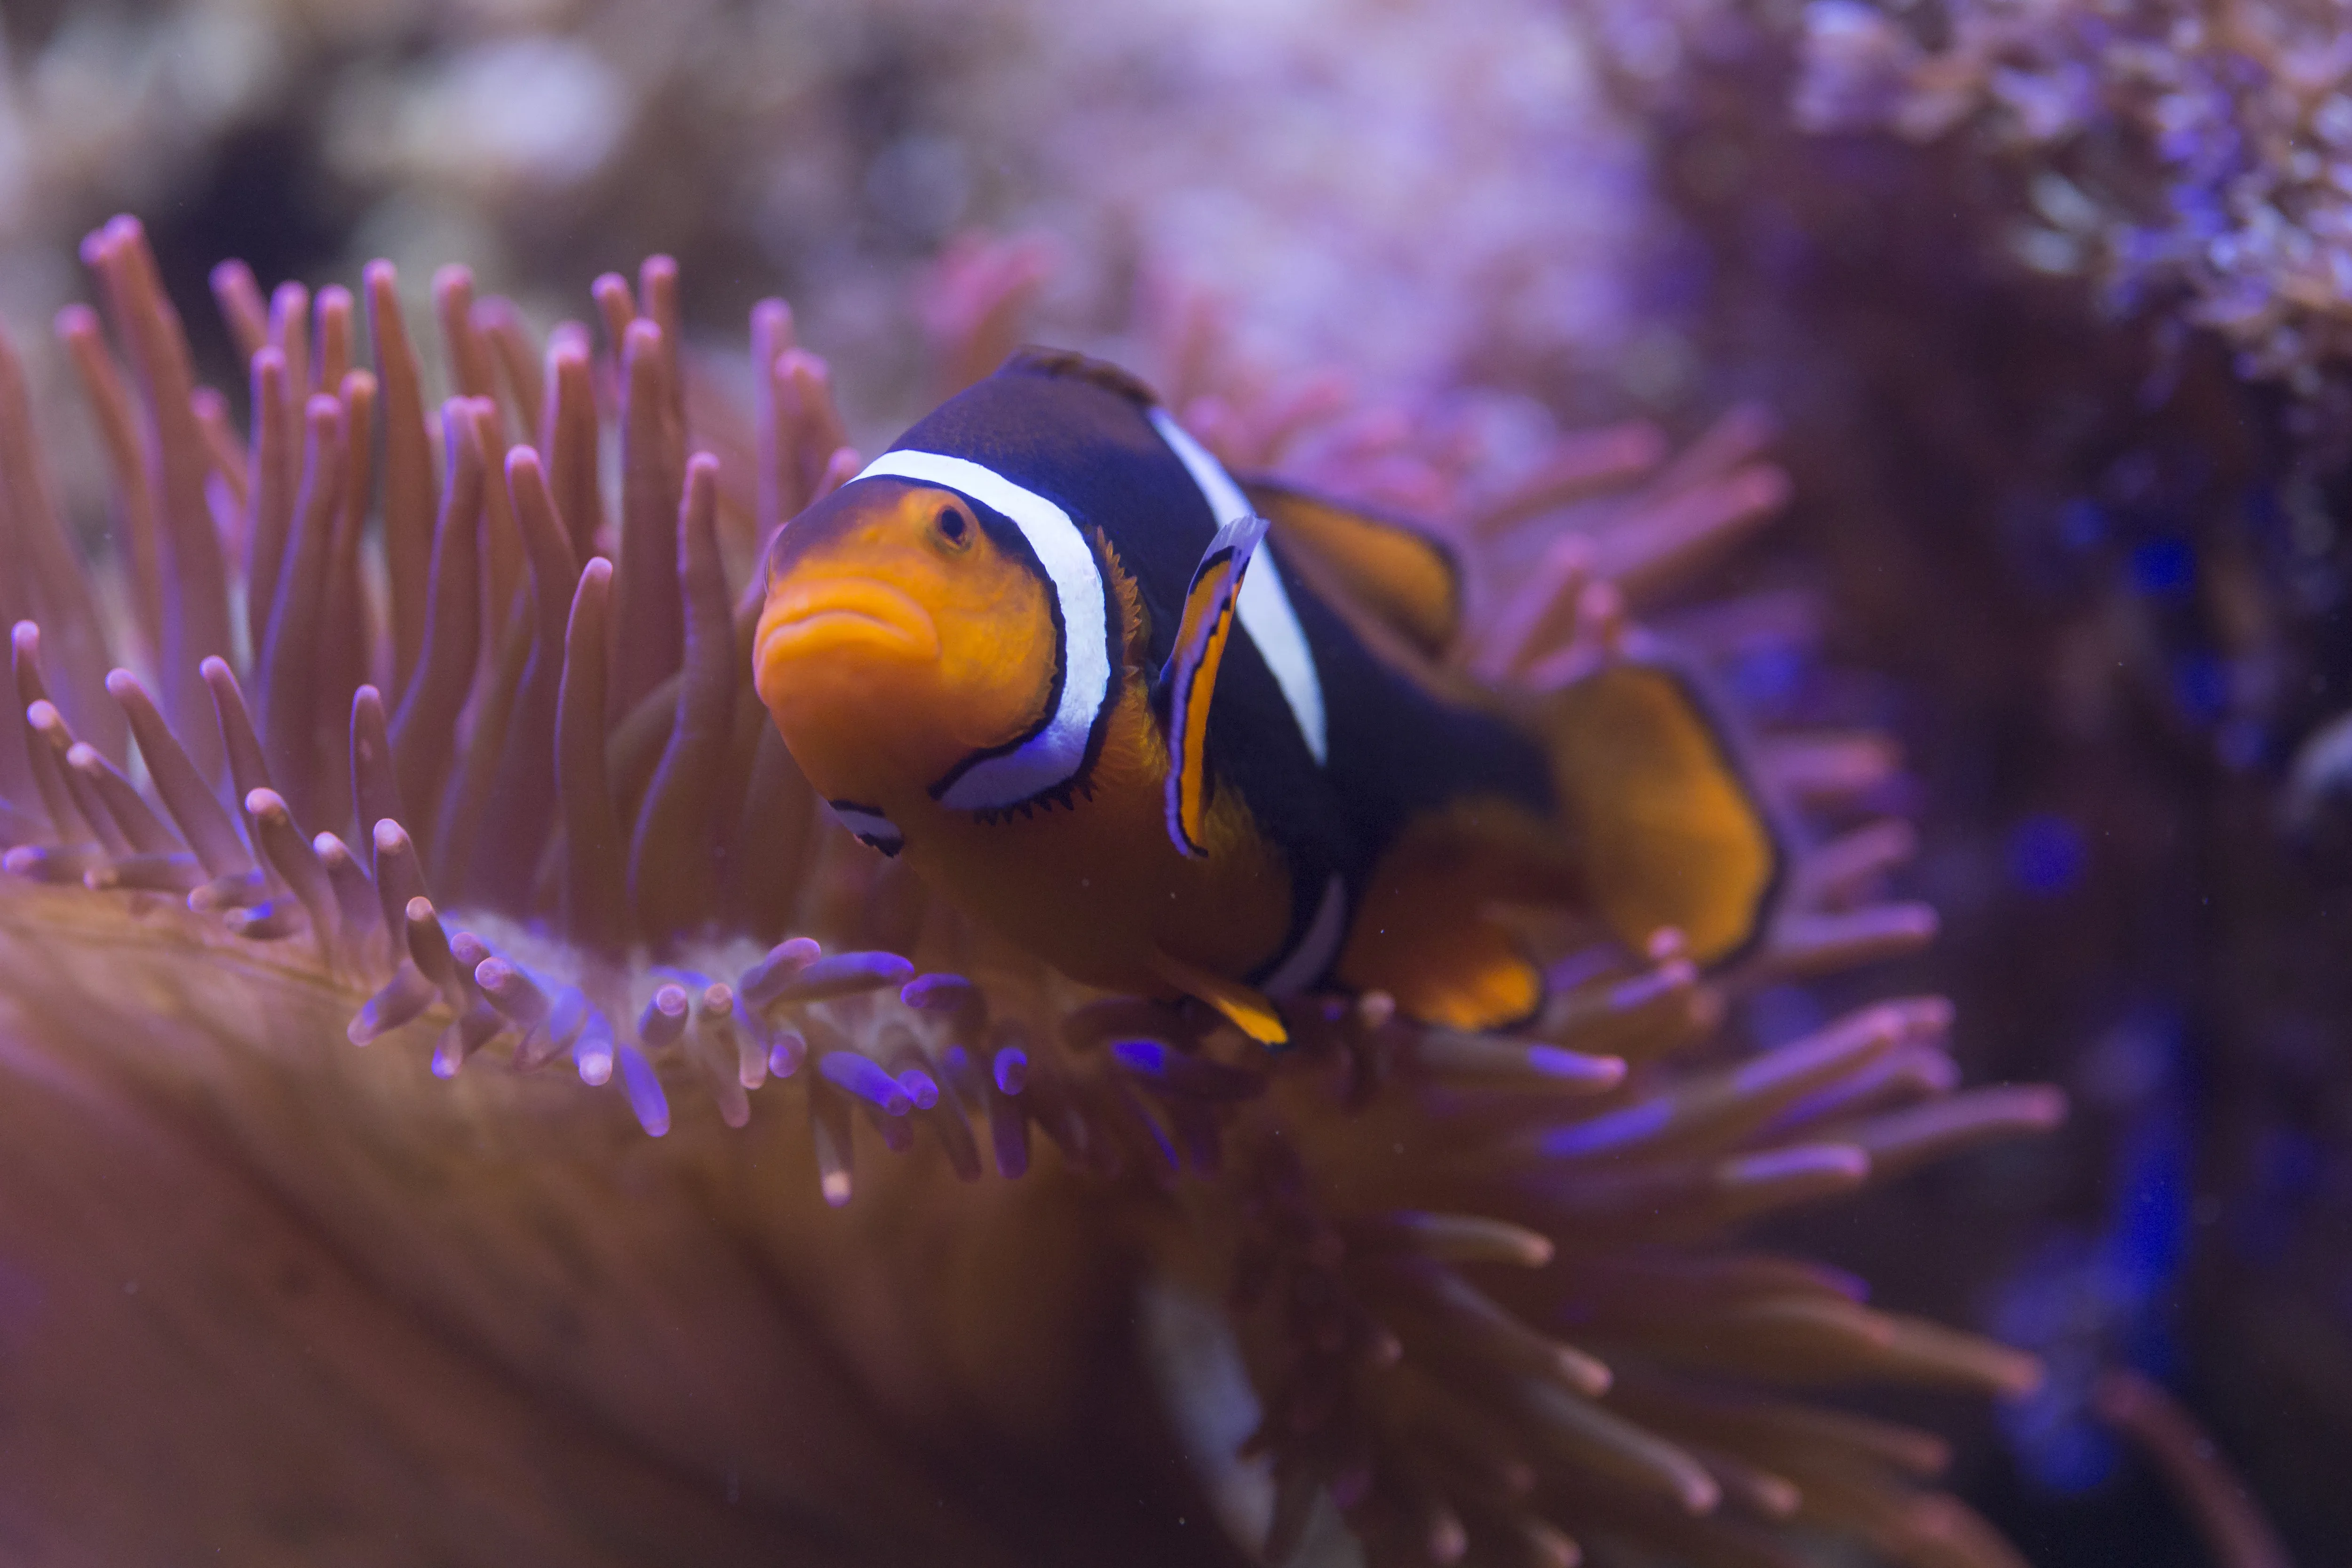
<point x="1408" y="580"/>
<point x="1070" y="365"/>
<point x="1189" y="678"/>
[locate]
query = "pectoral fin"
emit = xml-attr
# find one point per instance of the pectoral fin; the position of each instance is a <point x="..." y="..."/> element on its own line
<point x="1242" y="1007"/>
<point x="1189" y="678"/>
<point x="1404" y="577"/>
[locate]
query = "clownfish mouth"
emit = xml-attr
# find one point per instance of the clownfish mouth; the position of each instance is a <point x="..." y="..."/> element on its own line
<point x="839" y="614"/>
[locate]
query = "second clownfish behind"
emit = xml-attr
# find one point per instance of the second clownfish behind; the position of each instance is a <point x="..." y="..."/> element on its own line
<point x="1182" y="736"/>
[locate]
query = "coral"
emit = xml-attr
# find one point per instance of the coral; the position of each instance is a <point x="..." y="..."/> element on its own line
<point x="501" y="810"/>
<point x="2189" y="159"/>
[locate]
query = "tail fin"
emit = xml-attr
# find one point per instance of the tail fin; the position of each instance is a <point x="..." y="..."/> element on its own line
<point x="1670" y="827"/>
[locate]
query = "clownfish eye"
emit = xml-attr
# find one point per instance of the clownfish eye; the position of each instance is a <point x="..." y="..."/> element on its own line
<point x="955" y="528"/>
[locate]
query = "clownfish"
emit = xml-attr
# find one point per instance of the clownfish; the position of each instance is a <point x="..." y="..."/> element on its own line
<point x="1184" y="736"/>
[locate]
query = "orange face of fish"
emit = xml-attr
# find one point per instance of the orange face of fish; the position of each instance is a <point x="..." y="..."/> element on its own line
<point x="897" y="639"/>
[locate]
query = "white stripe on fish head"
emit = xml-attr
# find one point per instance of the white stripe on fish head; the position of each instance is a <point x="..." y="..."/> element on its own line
<point x="869" y="826"/>
<point x="1054" y="754"/>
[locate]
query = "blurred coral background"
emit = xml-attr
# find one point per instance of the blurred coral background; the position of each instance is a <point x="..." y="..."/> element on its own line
<point x="2050" y="302"/>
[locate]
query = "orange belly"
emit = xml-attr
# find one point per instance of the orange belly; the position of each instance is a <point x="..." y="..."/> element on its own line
<point x="1096" y="887"/>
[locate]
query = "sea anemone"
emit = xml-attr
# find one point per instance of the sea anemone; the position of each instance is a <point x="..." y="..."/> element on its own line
<point x="434" y="779"/>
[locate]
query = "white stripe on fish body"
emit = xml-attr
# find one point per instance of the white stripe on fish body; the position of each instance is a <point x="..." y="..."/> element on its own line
<point x="1265" y="613"/>
<point x="1052" y="756"/>
<point x="1317" y="946"/>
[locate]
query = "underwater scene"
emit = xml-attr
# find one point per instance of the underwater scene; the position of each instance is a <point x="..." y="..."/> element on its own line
<point x="1323" y="783"/>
